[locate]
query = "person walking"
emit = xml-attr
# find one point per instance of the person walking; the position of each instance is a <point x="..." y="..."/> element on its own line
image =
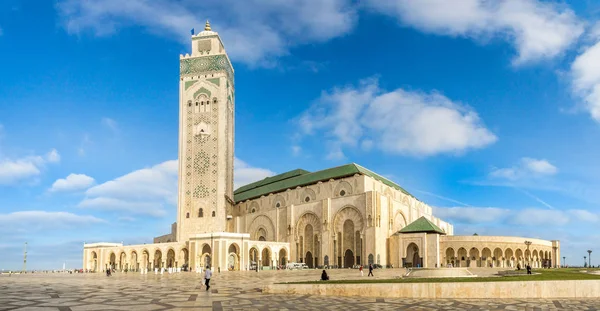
<point x="361" y="271"/>
<point x="207" y="276"/>
<point x="370" y="270"/>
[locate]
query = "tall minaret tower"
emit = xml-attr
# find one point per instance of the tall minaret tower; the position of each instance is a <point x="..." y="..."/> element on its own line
<point x="206" y="116"/>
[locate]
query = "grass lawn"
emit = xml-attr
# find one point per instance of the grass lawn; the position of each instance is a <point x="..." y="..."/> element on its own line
<point x="543" y="275"/>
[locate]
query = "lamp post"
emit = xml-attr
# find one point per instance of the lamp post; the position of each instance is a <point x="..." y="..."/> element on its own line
<point x="564" y="261"/>
<point x="527" y="251"/>
<point x="589" y="258"/>
<point x="584" y="261"/>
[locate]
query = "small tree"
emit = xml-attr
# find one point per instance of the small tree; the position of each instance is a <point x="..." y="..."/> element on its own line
<point x="475" y="234"/>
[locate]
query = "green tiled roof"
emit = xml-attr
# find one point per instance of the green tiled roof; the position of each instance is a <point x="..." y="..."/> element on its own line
<point x="421" y="225"/>
<point x="295" y="178"/>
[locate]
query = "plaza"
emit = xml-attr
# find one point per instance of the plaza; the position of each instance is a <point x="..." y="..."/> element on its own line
<point x="239" y="290"/>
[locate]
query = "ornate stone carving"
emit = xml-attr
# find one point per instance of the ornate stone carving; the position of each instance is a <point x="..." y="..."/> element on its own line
<point x="206" y="65"/>
<point x="308" y="219"/>
<point x="348" y="212"/>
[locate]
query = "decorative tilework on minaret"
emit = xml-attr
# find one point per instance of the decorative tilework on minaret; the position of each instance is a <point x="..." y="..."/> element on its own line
<point x="206" y="137"/>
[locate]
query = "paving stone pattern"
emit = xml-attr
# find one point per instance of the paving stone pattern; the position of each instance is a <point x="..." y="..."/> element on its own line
<point x="229" y="291"/>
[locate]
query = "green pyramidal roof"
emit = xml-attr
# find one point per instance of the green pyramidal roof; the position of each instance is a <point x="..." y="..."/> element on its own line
<point x="422" y="225"/>
<point x="299" y="177"/>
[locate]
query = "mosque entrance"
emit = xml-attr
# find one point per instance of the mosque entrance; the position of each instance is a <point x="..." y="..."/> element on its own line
<point x="309" y="259"/>
<point x="348" y="259"/>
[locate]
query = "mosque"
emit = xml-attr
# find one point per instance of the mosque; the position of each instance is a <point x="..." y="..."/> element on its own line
<point x="337" y="217"/>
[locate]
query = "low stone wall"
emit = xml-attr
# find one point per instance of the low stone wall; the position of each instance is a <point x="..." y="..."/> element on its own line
<point x="465" y="290"/>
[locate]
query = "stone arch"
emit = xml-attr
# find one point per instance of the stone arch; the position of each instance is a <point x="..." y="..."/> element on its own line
<point x="413" y="258"/>
<point x="158" y="254"/>
<point x="146" y="259"/>
<point x="486" y="257"/>
<point x="122" y="260"/>
<point x="498" y="257"/>
<point x="184" y="257"/>
<point x="306" y="219"/>
<point x="308" y="193"/>
<point x="233" y="257"/>
<point x="266" y="256"/>
<point x="343" y="188"/>
<point x="254" y="207"/>
<point x="93" y="261"/>
<point x="462" y="257"/>
<point x="253" y="256"/>
<point x="112" y="260"/>
<point x="474" y="257"/>
<point x="170" y="263"/>
<point x="205" y="259"/>
<point x="450" y="254"/>
<point x="134" y="261"/>
<point x="348" y="212"/>
<point x="278" y="201"/>
<point x="266" y="224"/>
<point x="399" y="221"/>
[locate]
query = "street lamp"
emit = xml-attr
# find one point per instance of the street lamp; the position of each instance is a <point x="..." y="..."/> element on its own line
<point x="584" y="261"/>
<point x="590" y="258"/>
<point x="564" y="261"/>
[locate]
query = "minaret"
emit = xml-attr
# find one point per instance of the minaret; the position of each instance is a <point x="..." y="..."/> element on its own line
<point x="206" y="137"/>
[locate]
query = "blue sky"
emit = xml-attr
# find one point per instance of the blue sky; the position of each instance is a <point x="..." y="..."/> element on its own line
<point x="489" y="112"/>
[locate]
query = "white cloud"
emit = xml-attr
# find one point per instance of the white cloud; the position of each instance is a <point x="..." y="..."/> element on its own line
<point x="524" y="217"/>
<point x="27" y="221"/>
<point x="585" y="72"/>
<point x="527" y="168"/>
<point x="150" y="191"/>
<point x="254" y="31"/>
<point x="111" y="124"/>
<point x="400" y="122"/>
<point x="16" y="170"/>
<point x="53" y="156"/>
<point x="536" y="217"/>
<point x="537" y="29"/>
<point x="73" y="182"/>
<point x="244" y="174"/>
<point x="145" y="191"/>
<point x="471" y="215"/>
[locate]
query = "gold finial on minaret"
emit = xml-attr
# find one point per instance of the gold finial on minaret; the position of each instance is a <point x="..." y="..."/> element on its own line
<point x="207" y="26"/>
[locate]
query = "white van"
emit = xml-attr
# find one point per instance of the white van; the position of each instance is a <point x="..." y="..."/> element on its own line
<point x="296" y="265"/>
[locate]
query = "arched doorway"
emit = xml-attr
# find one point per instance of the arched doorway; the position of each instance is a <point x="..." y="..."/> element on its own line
<point x="233" y="257"/>
<point x="309" y="259"/>
<point x="450" y="256"/>
<point x="205" y="257"/>
<point x="282" y="257"/>
<point x="462" y="257"/>
<point x="171" y="258"/>
<point x="473" y="257"/>
<point x="146" y="260"/>
<point x="348" y="259"/>
<point x="498" y="258"/>
<point x="184" y="258"/>
<point x="262" y="234"/>
<point x="94" y="262"/>
<point x="412" y="256"/>
<point x="134" y="265"/>
<point x="253" y="257"/>
<point x="266" y="257"/>
<point x="112" y="261"/>
<point x="122" y="261"/>
<point x="158" y="259"/>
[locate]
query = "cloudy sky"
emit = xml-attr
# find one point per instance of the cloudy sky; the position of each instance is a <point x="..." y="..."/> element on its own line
<point x="489" y="111"/>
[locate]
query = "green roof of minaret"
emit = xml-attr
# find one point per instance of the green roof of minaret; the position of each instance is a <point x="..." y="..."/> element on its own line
<point x="422" y="225"/>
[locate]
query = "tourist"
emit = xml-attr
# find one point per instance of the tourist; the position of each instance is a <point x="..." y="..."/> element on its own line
<point x="361" y="271"/>
<point x="324" y="276"/>
<point x="528" y="269"/>
<point x="207" y="276"/>
<point x="370" y="270"/>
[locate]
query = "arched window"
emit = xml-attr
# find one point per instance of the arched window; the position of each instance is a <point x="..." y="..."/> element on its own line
<point x="278" y="205"/>
<point x="189" y="103"/>
<point x="307" y="199"/>
<point x="213" y="213"/>
<point x="200" y="213"/>
<point x="214" y="100"/>
<point x="253" y="211"/>
<point x="196" y="104"/>
<point x="187" y="215"/>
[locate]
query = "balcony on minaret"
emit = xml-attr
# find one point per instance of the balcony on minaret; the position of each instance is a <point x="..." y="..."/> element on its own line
<point x="206" y="42"/>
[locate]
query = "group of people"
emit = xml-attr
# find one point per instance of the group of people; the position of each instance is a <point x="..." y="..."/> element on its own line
<point x="325" y="277"/>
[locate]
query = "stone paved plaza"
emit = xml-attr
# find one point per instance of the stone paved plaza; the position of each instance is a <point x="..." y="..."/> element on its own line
<point x="229" y="291"/>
